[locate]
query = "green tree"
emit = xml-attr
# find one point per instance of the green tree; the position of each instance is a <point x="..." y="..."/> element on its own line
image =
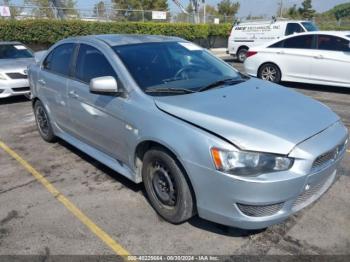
<point x="44" y="8"/>
<point x="100" y="9"/>
<point x="341" y="11"/>
<point x="159" y="5"/>
<point x="228" y="7"/>
<point x="209" y="10"/>
<point x="124" y="9"/>
<point x="306" y="10"/>
<point x="291" y="12"/>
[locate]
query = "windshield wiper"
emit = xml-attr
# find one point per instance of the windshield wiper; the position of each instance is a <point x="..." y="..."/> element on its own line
<point x="169" y="90"/>
<point x="227" y="81"/>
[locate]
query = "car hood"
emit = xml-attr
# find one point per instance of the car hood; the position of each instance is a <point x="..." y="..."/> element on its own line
<point x="15" y="64"/>
<point x="254" y="115"/>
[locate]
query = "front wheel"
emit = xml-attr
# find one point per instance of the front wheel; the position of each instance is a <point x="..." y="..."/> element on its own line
<point x="270" y="72"/>
<point x="166" y="186"/>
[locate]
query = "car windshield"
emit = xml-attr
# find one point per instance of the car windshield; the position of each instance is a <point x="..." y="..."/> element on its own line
<point x="175" y="67"/>
<point x="310" y="27"/>
<point x="14" y="51"/>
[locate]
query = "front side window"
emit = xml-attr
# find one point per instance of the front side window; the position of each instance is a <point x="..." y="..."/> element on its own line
<point x="59" y="59"/>
<point x="294" y="28"/>
<point x="299" y="42"/>
<point x="14" y="51"/>
<point x="173" y="65"/>
<point x="333" y="43"/>
<point x="91" y="63"/>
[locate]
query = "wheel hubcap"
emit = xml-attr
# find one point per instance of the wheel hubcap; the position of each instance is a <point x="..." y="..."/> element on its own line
<point x="163" y="185"/>
<point x="269" y="73"/>
<point x="42" y="120"/>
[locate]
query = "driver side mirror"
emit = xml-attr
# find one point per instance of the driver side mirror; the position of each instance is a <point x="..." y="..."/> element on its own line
<point x="106" y="85"/>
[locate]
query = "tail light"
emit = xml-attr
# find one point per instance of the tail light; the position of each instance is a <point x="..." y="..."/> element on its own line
<point x="251" y="53"/>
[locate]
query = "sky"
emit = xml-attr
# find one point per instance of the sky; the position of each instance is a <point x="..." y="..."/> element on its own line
<point x="248" y="7"/>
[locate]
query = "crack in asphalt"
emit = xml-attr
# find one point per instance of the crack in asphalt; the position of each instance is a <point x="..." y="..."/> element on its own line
<point x="16" y="187"/>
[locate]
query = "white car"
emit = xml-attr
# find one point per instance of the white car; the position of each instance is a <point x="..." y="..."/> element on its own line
<point x="321" y="58"/>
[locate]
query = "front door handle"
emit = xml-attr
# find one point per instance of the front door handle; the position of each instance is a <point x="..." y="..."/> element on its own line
<point x="73" y="94"/>
<point x="42" y="82"/>
<point x="319" y="56"/>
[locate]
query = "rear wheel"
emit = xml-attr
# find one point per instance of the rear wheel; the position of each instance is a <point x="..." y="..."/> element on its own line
<point x="166" y="186"/>
<point x="43" y="122"/>
<point x="242" y="54"/>
<point x="270" y="72"/>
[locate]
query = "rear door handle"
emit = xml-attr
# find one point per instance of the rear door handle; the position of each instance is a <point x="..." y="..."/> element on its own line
<point x="280" y="52"/>
<point x="42" y="82"/>
<point x="73" y="94"/>
<point x="319" y="56"/>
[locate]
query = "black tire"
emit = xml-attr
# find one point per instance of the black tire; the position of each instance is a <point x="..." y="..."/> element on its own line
<point x="166" y="186"/>
<point x="43" y="123"/>
<point x="270" y="72"/>
<point x="242" y="54"/>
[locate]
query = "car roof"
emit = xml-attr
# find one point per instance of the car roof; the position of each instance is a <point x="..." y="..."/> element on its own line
<point x="126" y="39"/>
<point x="335" y="33"/>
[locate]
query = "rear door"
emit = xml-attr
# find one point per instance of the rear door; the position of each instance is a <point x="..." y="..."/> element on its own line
<point x="331" y="62"/>
<point x="98" y="119"/>
<point x="52" y="80"/>
<point x="295" y="56"/>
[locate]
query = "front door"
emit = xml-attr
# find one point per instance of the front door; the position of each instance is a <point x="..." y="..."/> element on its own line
<point x="98" y="119"/>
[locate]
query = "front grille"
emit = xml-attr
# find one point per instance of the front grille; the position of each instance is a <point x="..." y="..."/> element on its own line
<point x="17" y="75"/>
<point x="327" y="158"/>
<point x="302" y="199"/>
<point x="260" y="211"/>
<point x="20" y="89"/>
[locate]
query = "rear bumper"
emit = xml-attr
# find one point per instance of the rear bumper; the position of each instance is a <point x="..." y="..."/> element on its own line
<point x="250" y="67"/>
<point x="14" y="88"/>
<point x="259" y="202"/>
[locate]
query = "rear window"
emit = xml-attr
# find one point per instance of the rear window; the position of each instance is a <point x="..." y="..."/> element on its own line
<point x="332" y="43"/>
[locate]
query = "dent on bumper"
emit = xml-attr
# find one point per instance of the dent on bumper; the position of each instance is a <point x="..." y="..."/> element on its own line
<point x="279" y="194"/>
<point x="222" y="194"/>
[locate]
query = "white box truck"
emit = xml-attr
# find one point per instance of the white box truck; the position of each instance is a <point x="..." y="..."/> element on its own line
<point x="252" y="33"/>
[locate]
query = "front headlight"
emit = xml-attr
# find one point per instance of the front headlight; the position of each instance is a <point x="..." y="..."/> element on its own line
<point x="2" y="76"/>
<point x="249" y="163"/>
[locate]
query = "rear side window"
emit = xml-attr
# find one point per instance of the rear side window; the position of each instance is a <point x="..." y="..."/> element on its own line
<point x="59" y="59"/>
<point x="333" y="43"/>
<point x="92" y="63"/>
<point x="294" y="28"/>
<point x="299" y="42"/>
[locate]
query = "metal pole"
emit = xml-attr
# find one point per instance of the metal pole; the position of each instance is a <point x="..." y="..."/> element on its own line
<point x="281" y="11"/>
<point x="204" y="12"/>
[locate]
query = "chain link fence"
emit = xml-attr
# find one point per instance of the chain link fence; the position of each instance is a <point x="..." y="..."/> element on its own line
<point x="108" y="13"/>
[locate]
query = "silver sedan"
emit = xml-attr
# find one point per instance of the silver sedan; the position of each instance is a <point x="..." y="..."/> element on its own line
<point x="14" y="61"/>
<point x="203" y="138"/>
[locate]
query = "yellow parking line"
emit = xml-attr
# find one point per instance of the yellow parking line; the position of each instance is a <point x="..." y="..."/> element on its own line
<point x="109" y="241"/>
